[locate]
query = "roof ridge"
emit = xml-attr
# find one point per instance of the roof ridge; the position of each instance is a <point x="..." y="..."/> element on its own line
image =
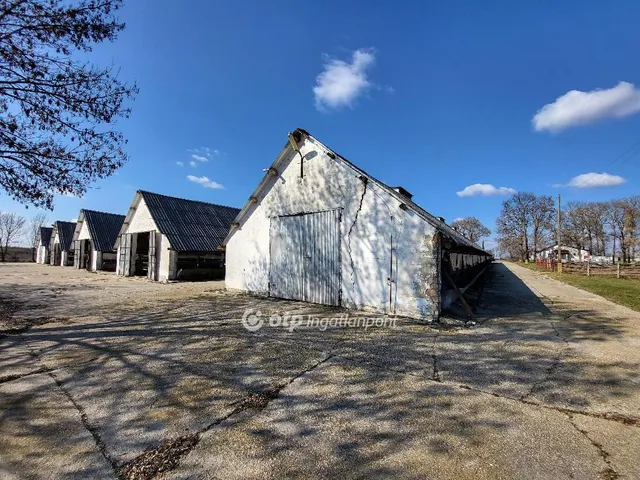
<point x="103" y="213"/>
<point x="142" y="192"/>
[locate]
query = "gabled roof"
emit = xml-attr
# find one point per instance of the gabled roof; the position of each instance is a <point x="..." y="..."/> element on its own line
<point x="190" y="225"/>
<point x="103" y="228"/>
<point x="65" y="234"/>
<point x="45" y="235"/>
<point x="300" y="134"/>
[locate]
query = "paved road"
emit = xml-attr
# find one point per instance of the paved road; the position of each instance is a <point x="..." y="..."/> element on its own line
<point x="546" y="386"/>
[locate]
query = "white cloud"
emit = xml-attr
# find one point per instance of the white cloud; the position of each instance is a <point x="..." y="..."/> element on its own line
<point x="582" y="108"/>
<point x="180" y="164"/>
<point x="74" y="219"/>
<point x="205" y="182"/>
<point x="203" y="154"/>
<point x="593" y="180"/>
<point x="340" y="83"/>
<point x="485" y="189"/>
<point x="193" y="164"/>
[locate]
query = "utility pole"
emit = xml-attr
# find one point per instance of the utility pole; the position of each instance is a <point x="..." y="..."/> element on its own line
<point x="559" y="253"/>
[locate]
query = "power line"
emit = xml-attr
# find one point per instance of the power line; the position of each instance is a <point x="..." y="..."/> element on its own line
<point x="617" y="159"/>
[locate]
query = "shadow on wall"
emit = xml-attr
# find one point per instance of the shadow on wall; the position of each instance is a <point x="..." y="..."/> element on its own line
<point x="365" y="246"/>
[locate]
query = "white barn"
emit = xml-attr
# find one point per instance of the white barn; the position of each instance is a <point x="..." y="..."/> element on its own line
<point x="94" y="239"/>
<point x="61" y="248"/>
<point x="569" y="254"/>
<point x="168" y="238"/>
<point x="44" y="241"/>
<point x="319" y="229"/>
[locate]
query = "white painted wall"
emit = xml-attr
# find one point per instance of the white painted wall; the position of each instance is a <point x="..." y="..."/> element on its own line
<point x="64" y="255"/>
<point x="141" y="222"/>
<point x="366" y="231"/>
<point x="42" y="254"/>
<point x="574" y="255"/>
<point x="84" y="232"/>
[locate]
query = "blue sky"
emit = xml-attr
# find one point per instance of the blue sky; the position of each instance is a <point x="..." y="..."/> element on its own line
<point x="433" y="96"/>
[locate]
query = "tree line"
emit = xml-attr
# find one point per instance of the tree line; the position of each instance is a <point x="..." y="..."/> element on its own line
<point x="528" y="223"/>
<point x="15" y="229"/>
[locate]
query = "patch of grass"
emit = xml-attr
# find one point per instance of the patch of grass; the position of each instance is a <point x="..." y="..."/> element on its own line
<point x="623" y="291"/>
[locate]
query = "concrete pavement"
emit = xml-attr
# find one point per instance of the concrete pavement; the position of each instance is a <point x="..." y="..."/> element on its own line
<point x="546" y="386"/>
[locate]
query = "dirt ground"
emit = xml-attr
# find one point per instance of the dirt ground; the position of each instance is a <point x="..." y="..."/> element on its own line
<point x="108" y="377"/>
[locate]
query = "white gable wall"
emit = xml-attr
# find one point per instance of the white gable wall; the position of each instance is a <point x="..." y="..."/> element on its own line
<point x="84" y="232"/>
<point x="371" y="221"/>
<point x="64" y="254"/>
<point x="142" y="221"/>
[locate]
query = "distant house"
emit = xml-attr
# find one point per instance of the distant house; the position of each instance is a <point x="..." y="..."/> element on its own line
<point x="94" y="238"/>
<point x="167" y="238"/>
<point x="44" y="241"/>
<point x="569" y="254"/>
<point x="319" y="229"/>
<point x="61" y="246"/>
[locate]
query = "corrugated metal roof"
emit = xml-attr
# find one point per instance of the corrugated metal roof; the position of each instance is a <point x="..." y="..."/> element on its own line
<point x="191" y="226"/>
<point x="45" y="235"/>
<point x="65" y="234"/>
<point x="103" y="228"/>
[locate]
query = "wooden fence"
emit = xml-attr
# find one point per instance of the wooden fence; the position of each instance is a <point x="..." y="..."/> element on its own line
<point x="619" y="270"/>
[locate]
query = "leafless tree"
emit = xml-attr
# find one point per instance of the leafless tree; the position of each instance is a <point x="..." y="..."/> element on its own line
<point x="542" y="216"/>
<point x="11" y="229"/>
<point x="33" y="233"/>
<point x="514" y="224"/>
<point x="471" y="228"/>
<point x="57" y="111"/>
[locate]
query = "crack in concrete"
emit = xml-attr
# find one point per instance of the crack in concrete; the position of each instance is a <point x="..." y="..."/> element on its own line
<point x="435" y="376"/>
<point x="18" y="376"/>
<point x="552" y="368"/>
<point x="610" y="416"/>
<point x="167" y="456"/>
<point x="558" y="334"/>
<point x="93" y="430"/>
<point x="609" y="472"/>
<point x="84" y="419"/>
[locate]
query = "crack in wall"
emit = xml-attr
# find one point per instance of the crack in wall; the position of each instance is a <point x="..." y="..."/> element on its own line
<point x="355" y="219"/>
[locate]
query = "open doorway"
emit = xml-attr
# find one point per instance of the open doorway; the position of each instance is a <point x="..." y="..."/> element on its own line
<point x="56" y="254"/>
<point x="86" y="258"/>
<point x="141" y="268"/>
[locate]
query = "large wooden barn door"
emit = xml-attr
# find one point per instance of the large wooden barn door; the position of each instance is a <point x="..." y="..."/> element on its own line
<point x="305" y="257"/>
<point x="151" y="267"/>
<point x="124" y="261"/>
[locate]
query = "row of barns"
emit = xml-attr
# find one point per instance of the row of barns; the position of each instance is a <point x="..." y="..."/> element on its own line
<point x="317" y="229"/>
